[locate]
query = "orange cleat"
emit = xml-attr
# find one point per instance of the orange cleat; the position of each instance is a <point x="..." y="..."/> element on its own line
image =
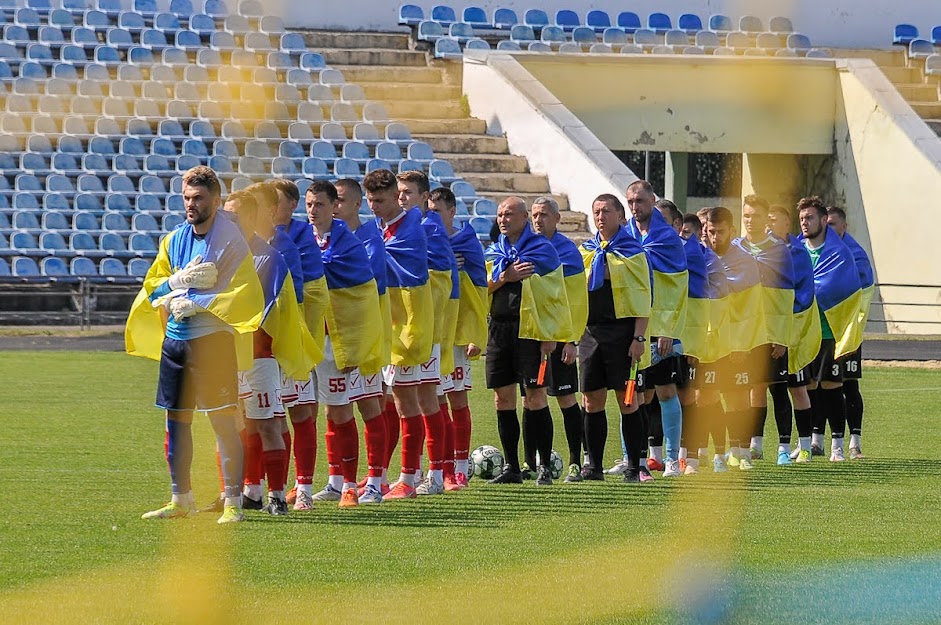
<point x="291" y="496"/>
<point x="348" y="499"/>
<point x="400" y="490"/>
<point x="455" y="483"/>
<point x="655" y="465"/>
<point x="682" y="464"/>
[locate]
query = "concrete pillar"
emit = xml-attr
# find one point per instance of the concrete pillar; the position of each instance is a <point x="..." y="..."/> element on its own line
<point x="775" y="177"/>
<point x="676" y="178"/>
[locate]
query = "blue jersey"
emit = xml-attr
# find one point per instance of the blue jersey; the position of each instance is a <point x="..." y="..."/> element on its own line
<point x="303" y="236"/>
<point x="371" y="237"/>
<point x="282" y="242"/>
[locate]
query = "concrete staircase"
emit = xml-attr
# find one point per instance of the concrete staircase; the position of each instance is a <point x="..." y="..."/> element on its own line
<point x="425" y="94"/>
<point x="923" y="95"/>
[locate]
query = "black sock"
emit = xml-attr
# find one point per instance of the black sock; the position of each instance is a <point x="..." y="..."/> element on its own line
<point x="644" y="421"/>
<point x="632" y="428"/>
<point x="782" y="412"/>
<point x="529" y="438"/>
<point x="596" y="435"/>
<point x="819" y="411"/>
<point x="572" y="420"/>
<point x="543" y="434"/>
<point x="805" y="422"/>
<point x="716" y="420"/>
<point x="854" y="406"/>
<point x="508" y="426"/>
<point x="835" y="411"/>
<point x="654" y="423"/>
<point x="759" y="414"/>
<point x="694" y="430"/>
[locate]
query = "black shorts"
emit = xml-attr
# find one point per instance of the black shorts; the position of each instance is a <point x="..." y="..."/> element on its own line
<point x="826" y="368"/>
<point x="799" y="379"/>
<point x="603" y="357"/>
<point x="853" y="365"/>
<point x="738" y="372"/>
<point x="199" y="374"/>
<point x="708" y="376"/>
<point x="668" y="371"/>
<point x="564" y="377"/>
<point x="510" y="359"/>
<point x="763" y="369"/>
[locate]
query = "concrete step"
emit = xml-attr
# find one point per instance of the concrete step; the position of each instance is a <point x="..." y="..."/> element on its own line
<point x="935" y="124"/>
<point x="373" y="57"/>
<point x="363" y="75"/>
<point x="318" y="39"/>
<point x="883" y="58"/>
<point x="927" y="110"/>
<point x="466" y="126"/>
<point x="901" y="75"/>
<point x="495" y="163"/>
<point x="918" y="92"/>
<point x="529" y="198"/>
<point x="467" y="144"/>
<point x="511" y="184"/>
<point x="426" y="109"/>
<point x="411" y="92"/>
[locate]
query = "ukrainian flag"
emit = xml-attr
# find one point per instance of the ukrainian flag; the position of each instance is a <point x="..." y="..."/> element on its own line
<point x="776" y="276"/>
<point x="410" y="300"/>
<point x="866" y="280"/>
<point x="291" y="343"/>
<point x="664" y="249"/>
<point x="573" y="270"/>
<point x="442" y="272"/>
<point x="371" y="237"/>
<point x="236" y="299"/>
<point x="719" y="341"/>
<point x="806" y="332"/>
<point x="836" y="283"/>
<point x="353" y="319"/>
<point x="746" y="327"/>
<point x="627" y="268"/>
<point x="544" y="312"/>
<point x="474" y="299"/>
<point x="695" y="343"/>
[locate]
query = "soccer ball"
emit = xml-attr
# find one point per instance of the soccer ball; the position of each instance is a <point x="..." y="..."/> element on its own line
<point x="555" y="464"/>
<point x="486" y="461"/>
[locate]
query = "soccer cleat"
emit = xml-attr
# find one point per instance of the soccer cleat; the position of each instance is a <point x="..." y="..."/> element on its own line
<point x="215" y="506"/>
<point x="690" y="470"/>
<point x="718" y="465"/>
<point x="795" y="453"/>
<point x="682" y="465"/>
<point x="655" y="465"/>
<point x="745" y="464"/>
<point x="252" y="504"/>
<point x="803" y="457"/>
<point x="450" y="484"/>
<point x="400" y="490"/>
<point x="507" y="476"/>
<point x="731" y="459"/>
<point x="430" y="486"/>
<point x="329" y="493"/>
<point x="543" y="477"/>
<point x="836" y="455"/>
<point x="526" y="472"/>
<point x="816" y="450"/>
<point x="370" y="495"/>
<point x="461" y="480"/>
<point x="348" y="499"/>
<point x="303" y="502"/>
<point x="619" y="468"/>
<point x="643" y="474"/>
<point x="784" y="458"/>
<point x="291" y="496"/>
<point x="574" y="475"/>
<point x="595" y="475"/>
<point x="856" y="453"/>
<point x="276" y="507"/>
<point x="631" y="477"/>
<point x="756" y="454"/>
<point x="671" y="468"/>
<point x="169" y="511"/>
<point x="231" y="514"/>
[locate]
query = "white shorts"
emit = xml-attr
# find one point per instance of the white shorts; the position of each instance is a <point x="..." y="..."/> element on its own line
<point x="446" y="385"/>
<point x="332" y="386"/>
<point x="362" y="386"/>
<point x="461" y="376"/>
<point x="288" y="390"/>
<point x="306" y="390"/>
<point x="264" y="378"/>
<point x="245" y="389"/>
<point x="426" y="373"/>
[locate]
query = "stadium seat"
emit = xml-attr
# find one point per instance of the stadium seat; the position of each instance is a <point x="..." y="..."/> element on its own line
<point x="88" y="201"/>
<point x="570" y="47"/>
<point x="522" y="33"/>
<point x="536" y="18"/>
<point x="780" y="25"/>
<point x="723" y="51"/>
<point x="708" y="40"/>
<point x="420" y="151"/>
<point x="430" y="31"/>
<point x="202" y="24"/>
<point x="475" y="16"/>
<point x="504" y="19"/>
<point x="346" y="168"/>
<point x="407" y="164"/>
<point x="41" y="7"/>
<point x="367" y="132"/>
<point x="599" y="20"/>
<point x="768" y="41"/>
<point x="720" y="23"/>
<point x="553" y="35"/>
<point x="738" y="40"/>
<point x="584" y="36"/>
<point x="23" y="242"/>
<point x="933" y="65"/>
<point x="798" y="43"/>
<point x="920" y="49"/>
<point x="310" y="112"/>
<point x="446" y="48"/>
<point x="216" y="8"/>
<point x="659" y="23"/>
<point x="819" y="53"/>
<point x="614" y="37"/>
<point x="114" y="221"/>
<point x="271" y="25"/>
<point x="443" y="14"/>
<point x="904" y="34"/>
<point x="694" y="50"/>
<point x="83" y="267"/>
<point x="251" y="9"/>
<point x="441" y="171"/>
<point x="750" y="24"/>
<point x="111" y="243"/>
<point x="316" y="168"/>
<point x="508" y="46"/>
<point x="52" y="242"/>
<point x="167" y="23"/>
<point x="755" y="52"/>
<point x="461" y="32"/>
<point x="567" y="19"/>
<point x="112" y="268"/>
<point x="138" y="267"/>
<point x="54" y="267"/>
<point x="25" y="267"/>
<point x="141" y="243"/>
<point x="149" y="203"/>
<point x="99" y="20"/>
<point x="26" y="219"/>
<point x="130" y="21"/>
<point x="689" y="22"/>
<point x="936" y="35"/>
<point x="646" y="38"/>
<point x="477" y="44"/>
<point x="411" y="15"/>
<point x="677" y="38"/>
<point x="171" y="222"/>
<point x="482" y="226"/>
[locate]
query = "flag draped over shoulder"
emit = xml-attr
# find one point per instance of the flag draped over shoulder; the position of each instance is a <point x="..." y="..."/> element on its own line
<point x="236" y="299"/>
<point x="776" y="277"/>
<point x="442" y="274"/>
<point x="744" y="300"/>
<point x="353" y="319"/>
<point x="806" y="332"/>
<point x="664" y="249"/>
<point x="695" y="342"/>
<point x="291" y="343"/>
<point x="544" y="312"/>
<point x="573" y="271"/>
<point x="836" y="283"/>
<point x="474" y="300"/>
<point x="627" y="269"/>
<point x="410" y="302"/>
<point x="315" y="299"/>
<point x="371" y="237"/>
<point x="866" y="280"/>
<point x="718" y="343"/>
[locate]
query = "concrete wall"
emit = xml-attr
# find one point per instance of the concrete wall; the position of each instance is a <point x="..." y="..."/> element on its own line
<point x="834" y="23"/>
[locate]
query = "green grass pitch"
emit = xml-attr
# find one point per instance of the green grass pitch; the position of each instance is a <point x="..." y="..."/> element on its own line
<point x="81" y="455"/>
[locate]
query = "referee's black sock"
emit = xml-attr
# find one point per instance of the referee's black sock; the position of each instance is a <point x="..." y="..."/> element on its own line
<point x="508" y="426"/>
<point x="634" y="433"/>
<point x="643" y="418"/>
<point x="543" y="432"/>
<point x="529" y="439"/>
<point x="596" y="434"/>
<point x="572" y="419"/>
<point x="782" y="412"/>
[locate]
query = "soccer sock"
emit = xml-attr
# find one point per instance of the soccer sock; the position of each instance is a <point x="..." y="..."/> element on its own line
<point x="462" y="434"/>
<point x="756" y="415"/>
<point x="782" y="412"/>
<point x="393" y="423"/>
<point x="572" y="421"/>
<point x="376" y="446"/>
<point x="230" y="452"/>
<point x="672" y="419"/>
<point x="305" y="450"/>
<point x="644" y="423"/>
<point x="273" y="460"/>
<point x="655" y="424"/>
<point x="334" y="458"/>
<point x="529" y="442"/>
<point x="508" y="427"/>
<point x="596" y="434"/>
<point x="545" y="431"/>
<point x="634" y="433"/>
<point x="251" y="445"/>
<point x="854" y="408"/>
<point x="448" y="441"/>
<point x="348" y="437"/>
<point x="694" y="432"/>
<point x="819" y="413"/>
<point x="413" y="429"/>
<point x="286" y="437"/>
<point x="832" y="399"/>
<point x="435" y="433"/>
<point x="623" y="442"/>
<point x="715" y="424"/>
<point x="179" y="450"/>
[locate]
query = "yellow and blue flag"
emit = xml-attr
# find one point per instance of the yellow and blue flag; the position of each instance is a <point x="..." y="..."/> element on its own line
<point x="544" y="312"/>
<point x="805" y="329"/>
<point x="719" y="339"/>
<point x="867" y="281"/>
<point x="623" y="259"/>
<point x="315" y="299"/>
<point x="836" y="284"/>
<point x="410" y="301"/>
<point x="573" y="270"/>
<point x="445" y="285"/>
<point x="695" y="343"/>
<point x="776" y="279"/>
<point x="746" y="331"/>
<point x="368" y="232"/>
<point x="474" y="299"/>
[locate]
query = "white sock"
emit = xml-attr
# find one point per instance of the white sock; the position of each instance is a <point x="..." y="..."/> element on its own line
<point x="407" y="478"/>
<point x="757" y="442"/>
<point x="783" y="449"/>
<point x="305" y="488"/>
<point x="703" y="451"/>
<point x="336" y="482"/>
<point x="804" y="443"/>
<point x="253" y="491"/>
<point x="718" y="457"/>
<point x="836" y="443"/>
<point x="375" y="482"/>
<point x="437" y="475"/>
<point x="735" y="452"/>
<point x="233" y="501"/>
<point x="461" y="466"/>
<point x="587" y="459"/>
<point x="385" y="477"/>
<point x="693" y="462"/>
<point x="656" y="452"/>
<point x="183" y="499"/>
<point x="817" y="440"/>
<point x="855" y="440"/>
<point x="683" y="453"/>
<point x="348" y="485"/>
<point x="275" y="494"/>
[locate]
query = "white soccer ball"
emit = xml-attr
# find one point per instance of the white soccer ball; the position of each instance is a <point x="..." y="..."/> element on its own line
<point x="486" y="462"/>
<point x="555" y="464"/>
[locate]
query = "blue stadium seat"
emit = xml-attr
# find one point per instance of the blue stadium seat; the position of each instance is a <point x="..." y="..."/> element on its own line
<point x="147" y="202"/>
<point x="584" y="35"/>
<point x="129" y="20"/>
<point x="144" y="223"/>
<point x="138" y="267"/>
<point x="25" y="267"/>
<point x="27" y="182"/>
<point x="83" y="267"/>
<point x="54" y="220"/>
<point x="51" y="35"/>
<point x="85" y="37"/>
<point x="377" y="163"/>
<point x="646" y="37"/>
<point x="181" y="8"/>
<point x="82" y="242"/>
<point x="920" y="49"/>
<point x="356" y="151"/>
<point x="172" y="221"/>
<point x="55" y="203"/>
<point x="140" y="56"/>
<point x="476" y="17"/>
<point x="292" y="150"/>
<point x="293" y="42"/>
<point x="312" y="61"/>
<point x="112" y="243"/>
<point x="202" y="24"/>
<point x="461" y="32"/>
<point x="407" y="164"/>
<point x="216" y="8"/>
<point x="388" y="150"/>
<point x="689" y="22"/>
<point x="750" y="24"/>
<point x="430" y="31"/>
<point x="54" y="267"/>
<point x="114" y="220"/>
<point x="52" y="242"/>
<point x="24" y="242"/>
<point x="567" y="19"/>
<point x="57" y="183"/>
<point x="95" y="164"/>
<point x="145" y="7"/>
<point x="284" y="167"/>
<point x="155" y="164"/>
<point x="61" y="18"/>
<point x="42" y="7"/>
<point x="316" y="168"/>
<point x="26" y="219"/>
<point x="522" y="33"/>
<point x="323" y="150"/>
<point x="121" y="184"/>
<point x="420" y="151"/>
<point x="819" y="53"/>
<point x="553" y="35"/>
<point x="659" y="22"/>
<point x="446" y="48"/>
<point x="88" y="186"/>
<point x="98" y="20"/>
<point x="443" y="14"/>
<point x="509" y="46"/>
<point x="599" y="20"/>
<point x="84" y="221"/>
<point x="187" y="40"/>
<point x="75" y="7"/>
<point x="175" y="203"/>
<point x="936" y="35"/>
<point x="154" y="184"/>
<point x="504" y="19"/>
<point x="346" y="168"/>
<point x="536" y="18"/>
<point x="112" y="268"/>
<point x="27" y="17"/>
<point x="441" y="171"/>
<point x="629" y="21"/>
<point x="720" y="23"/>
<point x="482" y="226"/>
<point x="88" y="201"/>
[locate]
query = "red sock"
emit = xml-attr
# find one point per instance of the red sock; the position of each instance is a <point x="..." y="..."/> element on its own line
<point x="448" y="442"/>
<point x="462" y="432"/>
<point x="253" y="461"/>
<point x="334" y="448"/>
<point x="434" y="431"/>
<point x="286" y="437"/>
<point x="275" y="461"/>
<point x="376" y="445"/>
<point x="305" y="450"/>
<point x="412" y="430"/>
<point x="348" y="435"/>
<point x="392" y="431"/>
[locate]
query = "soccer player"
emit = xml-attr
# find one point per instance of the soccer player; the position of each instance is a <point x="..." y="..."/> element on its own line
<point x="613" y="340"/>
<point x="206" y="291"/>
<point x="413" y="191"/>
<point x="665" y="255"/>
<point x="354" y="338"/>
<point x="804" y="345"/>
<point x="528" y="315"/>
<point x="471" y="331"/>
<point x="545" y="219"/>
<point x="412" y="313"/>
<point x="837" y="289"/>
<point x="853" y="363"/>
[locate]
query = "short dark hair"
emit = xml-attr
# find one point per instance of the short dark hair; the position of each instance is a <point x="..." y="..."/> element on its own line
<point x="692" y="220"/>
<point x="756" y="201"/>
<point x="836" y="210"/>
<point x="608" y="197"/>
<point x="719" y="215"/>
<point x="265" y="190"/>
<point x="418" y="177"/>
<point x="643" y="184"/>
<point x="202" y="176"/>
<point x="323" y="186"/>
<point x="671" y="208"/>
<point x="781" y="210"/>
<point x="350" y="185"/>
<point x="380" y="180"/>
<point x="812" y="203"/>
<point x="287" y="187"/>
<point x="247" y="204"/>
<point x="443" y="194"/>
